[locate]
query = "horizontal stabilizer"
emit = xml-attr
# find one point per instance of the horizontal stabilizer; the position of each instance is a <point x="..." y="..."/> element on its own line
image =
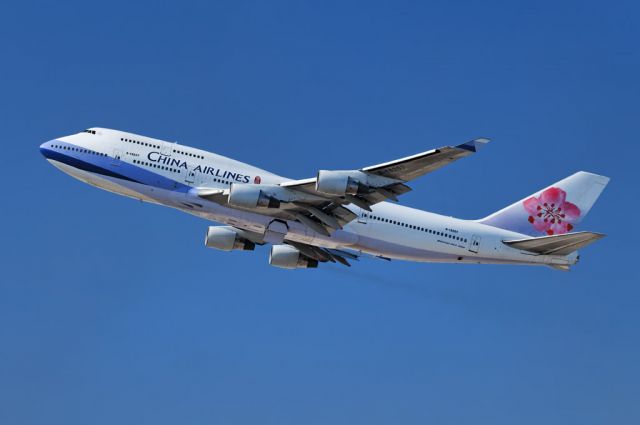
<point x="556" y="244"/>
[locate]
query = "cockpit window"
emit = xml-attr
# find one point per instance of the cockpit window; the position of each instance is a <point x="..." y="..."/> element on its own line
<point x="89" y="131"/>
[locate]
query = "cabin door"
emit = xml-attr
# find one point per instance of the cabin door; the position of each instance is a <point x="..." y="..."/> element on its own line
<point x="117" y="156"/>
<point x="474" y="243"/>
<point x="362" y="218"/>
<point x="166" y="149"/>
<point x="190" y="177"/>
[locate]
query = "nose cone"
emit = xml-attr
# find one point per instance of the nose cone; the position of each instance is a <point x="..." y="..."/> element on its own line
<point x="46" y="149"/>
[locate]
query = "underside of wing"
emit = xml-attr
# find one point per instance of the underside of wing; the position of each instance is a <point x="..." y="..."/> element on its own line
<point x="324" y="255"/>
<point x="322" y="214"/>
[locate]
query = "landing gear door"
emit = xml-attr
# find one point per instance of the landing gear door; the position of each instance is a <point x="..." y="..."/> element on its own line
<point x="474" y="243"/>
<point x="275" y="232"/>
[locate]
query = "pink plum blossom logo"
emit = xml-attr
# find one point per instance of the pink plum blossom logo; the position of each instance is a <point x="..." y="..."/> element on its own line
<point x="257" y="180"/>
<point x="551" y="213"/>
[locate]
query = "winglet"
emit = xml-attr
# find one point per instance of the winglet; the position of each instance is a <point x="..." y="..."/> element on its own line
<point x="474" y="145"/>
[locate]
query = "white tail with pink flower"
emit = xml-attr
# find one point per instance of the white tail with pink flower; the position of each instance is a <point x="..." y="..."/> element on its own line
<point x="554" y="210"/>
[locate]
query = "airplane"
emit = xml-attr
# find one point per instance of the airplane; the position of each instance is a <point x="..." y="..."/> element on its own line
<point x="337" y="216"/>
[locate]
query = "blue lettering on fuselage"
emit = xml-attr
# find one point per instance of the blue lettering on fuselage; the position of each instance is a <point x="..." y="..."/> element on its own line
<point x="166" y="160"/>
<point x="216" y="172"/>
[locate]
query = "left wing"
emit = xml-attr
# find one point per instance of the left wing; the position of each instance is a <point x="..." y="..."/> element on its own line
<point x="320" y="202"/>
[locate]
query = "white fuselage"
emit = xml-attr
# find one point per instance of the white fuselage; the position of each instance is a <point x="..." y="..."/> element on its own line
<point x="167" y="173"/>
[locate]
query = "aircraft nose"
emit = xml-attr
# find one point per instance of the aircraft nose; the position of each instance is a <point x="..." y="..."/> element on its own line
<point x="45" y="148"/>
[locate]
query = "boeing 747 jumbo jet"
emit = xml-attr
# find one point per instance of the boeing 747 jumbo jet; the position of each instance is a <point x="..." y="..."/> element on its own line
<point x="336" y="216"/>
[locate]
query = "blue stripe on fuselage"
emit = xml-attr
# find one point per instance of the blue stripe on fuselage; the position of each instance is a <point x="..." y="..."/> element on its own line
<point x="97" y="163"/>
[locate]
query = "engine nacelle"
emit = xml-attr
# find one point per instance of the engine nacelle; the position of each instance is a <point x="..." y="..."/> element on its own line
<point x="227" y="239"/>
<point x="340" y="183"/>
<point x="288" y="257"/>
<point x="250" y="196"/>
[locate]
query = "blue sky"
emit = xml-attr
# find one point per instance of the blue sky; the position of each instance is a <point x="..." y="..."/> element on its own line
<point x="113" y="311"/>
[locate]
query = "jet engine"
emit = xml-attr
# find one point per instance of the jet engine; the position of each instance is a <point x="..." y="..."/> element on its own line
<point x="340" y="183"/>
<point x="227" y="239"/>
<point x="250" y="196"/>
<point x="288" y="257"/>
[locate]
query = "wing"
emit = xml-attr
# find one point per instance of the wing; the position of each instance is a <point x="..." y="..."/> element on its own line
<point x="414" y="166"/>
<point x="387" y="179"/>
<point x="321" y="202"/>
<point x="408" y="168"/>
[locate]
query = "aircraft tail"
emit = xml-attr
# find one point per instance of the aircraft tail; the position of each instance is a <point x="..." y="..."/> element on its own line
<point x="554" y="210"/>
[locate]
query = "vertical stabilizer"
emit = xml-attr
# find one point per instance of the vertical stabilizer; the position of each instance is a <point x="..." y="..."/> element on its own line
<point x="554" y="210"/>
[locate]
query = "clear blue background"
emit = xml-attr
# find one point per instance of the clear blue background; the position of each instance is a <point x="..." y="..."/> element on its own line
<point x="113" y="311"/>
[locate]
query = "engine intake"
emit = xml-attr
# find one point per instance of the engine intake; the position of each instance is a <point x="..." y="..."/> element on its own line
<point x="227" y="239"/>
<point x="288" y="257"/>
<point x="250" y="196"/>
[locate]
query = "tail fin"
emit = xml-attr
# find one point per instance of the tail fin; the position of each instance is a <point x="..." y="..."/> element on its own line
<point x="554" y="210"/>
